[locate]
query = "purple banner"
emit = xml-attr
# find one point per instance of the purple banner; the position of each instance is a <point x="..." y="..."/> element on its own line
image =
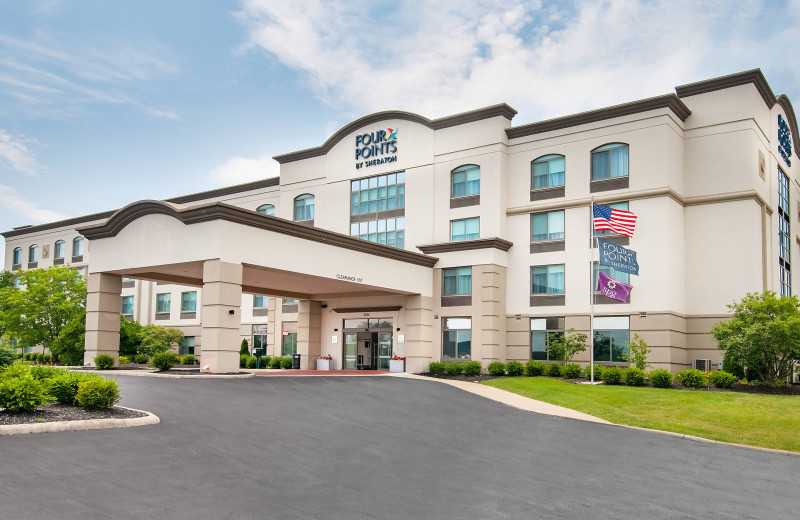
<point x="611" y="288"/>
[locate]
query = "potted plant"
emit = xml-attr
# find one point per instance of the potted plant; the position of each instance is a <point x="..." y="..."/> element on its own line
<point x="325" y="362"/>
<point x="397" y="364"/>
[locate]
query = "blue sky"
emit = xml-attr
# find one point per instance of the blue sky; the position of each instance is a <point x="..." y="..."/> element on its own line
<point x="104" y="102"/>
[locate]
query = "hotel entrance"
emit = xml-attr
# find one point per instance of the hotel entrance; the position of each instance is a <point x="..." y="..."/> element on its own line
<point x="367" y="344"/>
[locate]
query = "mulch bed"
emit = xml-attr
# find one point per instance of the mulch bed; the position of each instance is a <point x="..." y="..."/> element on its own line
<point x="183" y="370"/>
<point x="56" y="412"/>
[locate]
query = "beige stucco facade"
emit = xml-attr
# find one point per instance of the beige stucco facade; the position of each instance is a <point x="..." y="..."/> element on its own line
<point x="702" y="174"/>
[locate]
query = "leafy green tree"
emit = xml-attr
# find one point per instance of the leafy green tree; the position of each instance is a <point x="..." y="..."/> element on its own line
<point x="48" y="300"/>
<point x="244" y="349"/>
<point x="130" y="337"/>
<point x="566" y="346"/>
<point x="157" y="339"/>
<point x="69" y="346"/>
<point x="638" y="352"/>
<point x="763" y="336"/>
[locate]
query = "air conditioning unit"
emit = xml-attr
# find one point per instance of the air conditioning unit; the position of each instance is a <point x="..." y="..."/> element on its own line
<point x="702" y="364"/>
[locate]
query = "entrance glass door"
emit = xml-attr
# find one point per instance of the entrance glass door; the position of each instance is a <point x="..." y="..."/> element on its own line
<point x="384" y="341"/>
<point x="367" y="344"/>
<point x="350" y="345"/>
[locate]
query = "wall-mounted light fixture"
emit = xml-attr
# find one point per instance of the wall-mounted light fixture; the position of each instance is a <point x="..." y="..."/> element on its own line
<point x="231" y="311"/>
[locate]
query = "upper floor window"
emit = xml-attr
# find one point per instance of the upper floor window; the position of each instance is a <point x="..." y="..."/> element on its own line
<point x="386" y="231"/>
<point x="610" y="161"/>
<point x="465" y="181"/>
<point x="189" y="301"/>
<point x="259" y="301"/>
<point x="127" y="305"/>
<point x="465" y="229"/>
<point x="547" y="226"/>
<point x="784" y="235"/>
<point x="457" y="281"/>
<point x="58" y="250"/>
<point x="547" y="279"/>
<point x="163" y="302"/>
<point x="304" y="207"/>
<point x="17" y="258"/>
<point x="548" y="171"/>
<point x="77" y="246"/>
<point x="266" y="209"/>
<point x="379" y="193"/>
<point x="33" y="253"/>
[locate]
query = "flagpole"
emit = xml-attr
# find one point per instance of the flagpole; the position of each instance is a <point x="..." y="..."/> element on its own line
<point x="591" y="287"/>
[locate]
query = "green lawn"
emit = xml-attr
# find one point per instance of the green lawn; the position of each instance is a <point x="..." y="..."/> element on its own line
<point x="770" y="421"/>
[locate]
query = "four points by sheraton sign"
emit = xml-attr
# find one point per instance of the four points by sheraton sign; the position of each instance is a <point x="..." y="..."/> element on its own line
<point x="376" y="147"/>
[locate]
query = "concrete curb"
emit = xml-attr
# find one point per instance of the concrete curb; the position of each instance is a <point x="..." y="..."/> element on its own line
<point x="516" y="401"/>
<point x="86" y="424"/>
<point x="157" y="374"/>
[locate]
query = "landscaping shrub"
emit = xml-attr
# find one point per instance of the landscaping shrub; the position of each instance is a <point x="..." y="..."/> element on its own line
<point x="286" y="362"/>
<point x="27" y="356"/>
<point x="141" y="359"/>
<point x="252" y="362"/>
<point x="598" y="372"/>
<point x="39" y="357"/>
<point x="188" y="359"/>
<point x="15" y="371"/>
<point x="265" y="361"/>
<point x="453" y="368"/>
<point x="572" y="371"/>
<point x="661" y="378"/>
<point x="43" y="372"/>
<point x="104" y="361"/>
<point x="496" y="368"/>
<point x="64" y="386"/>
<point x="164" y="361"/>
<point x="436" y="368"/>
<point x="23" y="394"/>
<point x="99" y="393"/>
<point x="243" y="360"/>
<point x="554" y="370"/>
<point x="472" y="368"/>
<point x="7" y="355"/>
<point x="534" y="368"/>
<point x="47" y="358"/>
<point x="244" y="349"/>
<point x="515" y="368"/>
<point x="612" y="375"/>
<point x="634" y="376"/>
<point x="275" y="362"/>
<point x="722" y="379"/>
<point x="692" y="378"/>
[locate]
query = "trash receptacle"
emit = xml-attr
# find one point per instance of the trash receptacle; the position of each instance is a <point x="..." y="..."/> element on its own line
<point x="296" y="361"/>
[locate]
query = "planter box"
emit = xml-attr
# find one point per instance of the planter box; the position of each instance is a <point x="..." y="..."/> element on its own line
<point x="397" y="365"/>
<point x="324" y="364"/>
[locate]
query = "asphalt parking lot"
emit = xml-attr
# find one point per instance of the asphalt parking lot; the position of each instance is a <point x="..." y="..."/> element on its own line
<point x="374" y="447"/>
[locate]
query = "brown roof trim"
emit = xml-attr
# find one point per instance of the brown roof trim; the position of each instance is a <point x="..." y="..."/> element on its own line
<point x="784" y="102"/>
<point x="480" y="114"/>
<point x="466" y="245"/>
<point x="61" y="223"/>
<point x="392" y="308"/>
<point x="669" y="101"/>
<point x="732" y="80"/>
<point x="222" y="211"/>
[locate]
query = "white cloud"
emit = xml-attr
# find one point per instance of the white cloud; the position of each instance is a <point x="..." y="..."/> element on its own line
<point x="238" y="170"/>
<point x="10" y="199"/>
<point x="439" y="58"/>
<point x="16" y="155"/>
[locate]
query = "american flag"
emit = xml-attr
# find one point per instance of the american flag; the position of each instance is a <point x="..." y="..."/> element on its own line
<point x="616" y="220"/>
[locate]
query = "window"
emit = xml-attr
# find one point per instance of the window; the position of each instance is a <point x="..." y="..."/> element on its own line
<point x="379" y="193"/>
<point x="304" y="208"/>
<point x="547" y="226"/>
<point x="260" y="338"/>
<point x="547" y="279"/>
<point x="784" y="235"/>
<point x="77" y="246"/>
<point x="58" y="250"/>
<point x="189" y="301"/>
<point x="33" y="254"/>
<point x="547" y="172"/>
<point x="162" y="302"/>
<point x="127" y="305"/>
<point x="611" y="335"/>
<point x="81" y="272"/>
<point x="545" y="331"/>
<point x="619" y="205"/>
<point x="266" y="209"/>
<point x="465" y="181"/>
<point x="260" y="302"/>
<point x="608" y="271"/>
<point x="186" y="346"/>
<point x="456" y="338"/>
<point x="387" y="231"/>
<point x="466" y="229"/>
<point x="289" y="338"/>
<point x="457" y="281"/>
<point x="610" y="161"/>
<point x="17" y="258"/>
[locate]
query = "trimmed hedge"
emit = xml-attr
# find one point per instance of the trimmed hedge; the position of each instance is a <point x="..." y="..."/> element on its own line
<point x="265" y="361"/>
<point x="188" y="359"/>
<point x="252" y="362"/>
<point x="554" y="370"/>
<point x="722" y="379"/>
<point x="534" y="368"/>
<point x="572" y="371"/>
<point x="96" y="394"/>
<point x="275" y="362"/>
<point x="692" y="378"/>
<point x="104" y="361"/>
<point x="436" y="368"/>
<point x="243" y="360"/>
<point x="22" y="394"/>
<point x="141" y="359"/>
<point x="453" y="368"/>
<point x="634" y="376"/>
<point x="286" y="362"/>
<point x="661" y="378"/>
<point x="165" y="360"/>
<point x="496" y="368"/>
<point x="64" y="386"/>
<point x="472" y="368"/>
<point x="598" y="372"/>
<point x="515" y="368"/>
<point x="612" y="375"/>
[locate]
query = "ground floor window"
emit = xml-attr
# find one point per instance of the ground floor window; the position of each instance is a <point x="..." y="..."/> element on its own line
<point x="289" y="338"/>
<point x="611" y="337"/>
<point x="260" y="338"/>
<point x="456" y="338"/>
<point x="187" y="346"/>
<point x="544" y="331"/>
<point x="127" y="305"/>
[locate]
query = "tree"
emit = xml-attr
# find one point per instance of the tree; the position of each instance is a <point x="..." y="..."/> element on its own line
<point x="49" y="299"/>
<point x="763" y="336"/>
<point x="638" y="352"/>
<point x="130" y="337"/>
<point x="157" y="339"/>
<point x="565" y="347"/>
<point x="244" y="349"/>
<point x="69" y="346"/>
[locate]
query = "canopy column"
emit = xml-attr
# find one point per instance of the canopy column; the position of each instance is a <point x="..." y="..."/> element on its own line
<point x="222" y="298"/>
<point x="103" y="306"/>
<point x="419" y="333"/>
<point x="309" y="328"/>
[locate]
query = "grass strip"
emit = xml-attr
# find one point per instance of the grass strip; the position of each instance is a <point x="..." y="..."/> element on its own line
<point x="770" y="421"/>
